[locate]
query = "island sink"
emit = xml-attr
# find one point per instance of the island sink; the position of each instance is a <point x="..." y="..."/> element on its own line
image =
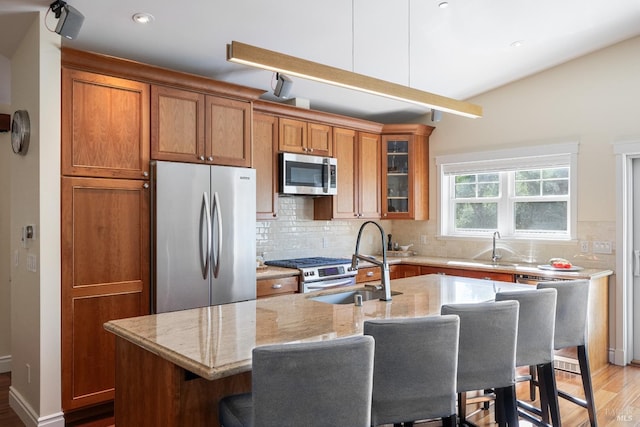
<point x="349" y="297"/>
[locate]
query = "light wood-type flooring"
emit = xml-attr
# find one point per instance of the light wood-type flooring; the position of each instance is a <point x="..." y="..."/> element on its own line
<point x="617" y="392"/>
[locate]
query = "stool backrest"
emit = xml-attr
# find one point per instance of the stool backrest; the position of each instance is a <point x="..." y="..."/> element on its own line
<point x="313" y="384"/>
<point x="415" y="368"/>
<point x="571" y="312"/>
<point x="487" y="348"/>
<point x="536" y="321"/>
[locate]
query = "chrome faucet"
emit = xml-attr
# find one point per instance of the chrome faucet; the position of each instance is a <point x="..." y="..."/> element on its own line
<point x="494" y="256"/>
<point x="385" y="283"/>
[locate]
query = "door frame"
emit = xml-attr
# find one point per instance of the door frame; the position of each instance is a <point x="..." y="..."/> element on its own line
<point x="626" y="151"/>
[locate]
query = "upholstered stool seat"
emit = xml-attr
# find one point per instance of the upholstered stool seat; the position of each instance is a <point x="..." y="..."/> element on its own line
<point x="317" y="384"/>
<point x="487" y="354"/>
<point x="415" y="369"/>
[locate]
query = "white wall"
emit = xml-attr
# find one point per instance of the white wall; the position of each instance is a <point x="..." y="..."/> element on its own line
<point x="5" y="285"/>
<point x="594" y="100"/>
<point x="5" y="80"/>
<point x="35" y="199"/>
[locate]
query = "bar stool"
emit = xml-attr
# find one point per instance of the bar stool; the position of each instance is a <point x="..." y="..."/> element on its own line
<point x="487" y="354"/>
<point x="317" y="384"/>
<point x="571" y="331"/>
<point x="415" y="368"/>
<point x="536" y="321"/>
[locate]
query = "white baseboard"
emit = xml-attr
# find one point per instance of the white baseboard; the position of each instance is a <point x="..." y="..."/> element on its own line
<point x="5" y="364"/>
<point x="28" y="416"/>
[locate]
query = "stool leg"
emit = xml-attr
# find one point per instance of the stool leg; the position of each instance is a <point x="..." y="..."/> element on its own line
<point x="532" y="383"/>
<point x="549" y="394"/>
<point x="585" y="373"/>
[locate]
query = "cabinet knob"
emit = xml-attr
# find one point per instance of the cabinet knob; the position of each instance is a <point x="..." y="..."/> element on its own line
<point x="145" y="185"/>
<point x="145" y="173"/>
<point x="305" y="149"/>
<point x="201" y="158"/>
<point x="311" y="150"/>
<point x="276" y="286"/>
<point x="369" y="273"/>
<point x="385" y="214"/>
<point x="275" y="215"/>
<point x="210" y="158"/>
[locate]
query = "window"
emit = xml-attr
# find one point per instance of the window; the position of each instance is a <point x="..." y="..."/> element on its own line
<point x="522" y="197"/>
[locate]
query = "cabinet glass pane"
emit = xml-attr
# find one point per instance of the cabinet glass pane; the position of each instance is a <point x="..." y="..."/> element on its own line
<point x="397" y="176"/>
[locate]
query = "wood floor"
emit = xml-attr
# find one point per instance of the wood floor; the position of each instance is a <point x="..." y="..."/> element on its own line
<point x="617" y="397"/>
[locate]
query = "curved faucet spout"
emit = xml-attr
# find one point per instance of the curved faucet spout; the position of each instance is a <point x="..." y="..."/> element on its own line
<point x="384" y="265"/>
<point x="494" y="256"/>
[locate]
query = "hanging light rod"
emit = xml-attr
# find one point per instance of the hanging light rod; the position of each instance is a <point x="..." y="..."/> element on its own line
<point x="290" y="65"/>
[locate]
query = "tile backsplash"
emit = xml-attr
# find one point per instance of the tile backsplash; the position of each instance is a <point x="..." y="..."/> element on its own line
<point x="296" y="234"/>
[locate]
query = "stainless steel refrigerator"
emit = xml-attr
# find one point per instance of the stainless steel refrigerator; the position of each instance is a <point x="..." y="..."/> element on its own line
<point x="203" y="235"/>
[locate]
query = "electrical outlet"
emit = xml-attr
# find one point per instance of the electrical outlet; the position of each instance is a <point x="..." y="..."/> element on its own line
<point x="325" y="242"/>
<point x="584" y="246"/>
<point x="601" y="247"/>
<point x="423" y="239"/>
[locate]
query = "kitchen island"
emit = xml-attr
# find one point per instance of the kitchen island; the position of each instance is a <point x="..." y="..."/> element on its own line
<point x="172" y="368"/>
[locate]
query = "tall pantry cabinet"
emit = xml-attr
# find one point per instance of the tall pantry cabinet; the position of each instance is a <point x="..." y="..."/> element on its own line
<point x="105" y="226"/>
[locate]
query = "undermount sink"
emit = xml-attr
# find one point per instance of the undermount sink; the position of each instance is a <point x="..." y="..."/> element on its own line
<point x="349" y="297"/>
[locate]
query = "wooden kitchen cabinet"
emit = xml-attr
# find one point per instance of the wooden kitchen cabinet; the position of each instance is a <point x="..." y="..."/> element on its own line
<point x="265" y="162"/>
<point x="358" y="155"/>
<point x="280" y="286"/>
<point x="177" y="124"/>
<point x="105" y="276"/>
<point x="105" y="126"/>
<point x="476" y="274"/>
<point x="188" y="126"/>
<point x="298" y="136"/>
<point x="400" y="271"/>
<point x="405" y="171"/>
<point x="228" y="132"/>
<point x="368" y="274"/>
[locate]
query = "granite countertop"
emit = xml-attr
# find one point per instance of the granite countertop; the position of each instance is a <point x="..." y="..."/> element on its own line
<point x="215" y="342"/>
<point x="463" y="264"/>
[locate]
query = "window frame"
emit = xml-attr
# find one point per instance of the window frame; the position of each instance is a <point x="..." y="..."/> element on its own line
<point x="501" y="161"/>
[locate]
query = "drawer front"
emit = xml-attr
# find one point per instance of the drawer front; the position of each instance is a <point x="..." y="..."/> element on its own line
<point x="368" y="274"/>
<point x="283" y="285"/>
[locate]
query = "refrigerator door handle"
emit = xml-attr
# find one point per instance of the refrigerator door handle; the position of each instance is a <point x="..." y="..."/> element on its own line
<point x="216" y="254"/>
<point x="206" y="253"/>
<point x="636" y="264"/>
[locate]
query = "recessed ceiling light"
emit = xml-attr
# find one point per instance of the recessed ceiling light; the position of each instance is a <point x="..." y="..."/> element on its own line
<point x="517" y="43"/>
<point x="143" y="18"/>
<point x="443" y="4"/>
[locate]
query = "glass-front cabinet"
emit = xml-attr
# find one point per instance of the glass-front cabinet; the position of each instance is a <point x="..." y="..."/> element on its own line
<point x="405" y="172"/>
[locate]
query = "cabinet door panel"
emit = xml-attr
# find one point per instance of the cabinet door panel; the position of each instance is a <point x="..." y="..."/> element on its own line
<point x="265" y="160"/>
<point x="369" y="175"/>
<point x="105" y="126"/>
<point x="93" y="348"/>
<point x="293" y="135"/>
<point x="177" y="124"/>
<point x="228" y="132"/>
<point x="320" y="141"/>
<point x="105" y="275"/>
<point x="346" y="201"/>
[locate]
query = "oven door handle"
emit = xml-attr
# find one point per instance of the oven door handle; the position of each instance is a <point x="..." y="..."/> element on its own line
<point x="332" y="284"/>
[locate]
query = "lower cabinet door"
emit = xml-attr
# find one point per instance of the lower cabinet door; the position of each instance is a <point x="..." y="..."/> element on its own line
<point x="105" y="276"/>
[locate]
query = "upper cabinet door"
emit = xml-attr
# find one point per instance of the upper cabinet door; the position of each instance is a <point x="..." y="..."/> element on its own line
<point x="105" y="126"/>
<point x="177" y="125"/>
<point x="265" y="162"/>
<point x="293" y="135"/>
<point x="320" y="142"/>
<point x="369" y="175"/>
<point x="228" y="132"/>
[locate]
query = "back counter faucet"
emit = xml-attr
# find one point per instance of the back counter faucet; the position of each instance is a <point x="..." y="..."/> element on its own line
<point x="384" y="265"/>
<point x="494" y="256"/>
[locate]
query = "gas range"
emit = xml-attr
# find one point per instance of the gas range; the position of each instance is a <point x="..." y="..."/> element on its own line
<point x="318" y="273"/>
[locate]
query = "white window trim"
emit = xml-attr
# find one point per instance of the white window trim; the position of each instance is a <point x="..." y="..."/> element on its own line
<point x="532" y="156"/>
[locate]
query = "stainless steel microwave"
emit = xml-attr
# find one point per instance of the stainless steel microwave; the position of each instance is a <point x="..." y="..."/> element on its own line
<point x="305" y="174"/>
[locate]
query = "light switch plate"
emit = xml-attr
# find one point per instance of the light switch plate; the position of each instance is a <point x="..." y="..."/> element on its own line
<point x="31" y="263"/>
<point x="601" y="247"/>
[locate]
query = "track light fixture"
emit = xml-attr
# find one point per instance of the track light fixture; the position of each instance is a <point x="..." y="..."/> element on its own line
<point x="69" y="19"/>
<point x="280" y="63"/>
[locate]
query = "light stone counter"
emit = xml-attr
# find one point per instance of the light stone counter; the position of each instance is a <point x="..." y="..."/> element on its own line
<point x="216" y="342"/>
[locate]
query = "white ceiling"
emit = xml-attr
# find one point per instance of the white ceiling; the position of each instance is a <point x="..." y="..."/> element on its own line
<point x="459" y="52"/>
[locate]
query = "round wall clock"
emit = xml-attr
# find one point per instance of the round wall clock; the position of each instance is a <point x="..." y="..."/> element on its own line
<point x="20" y="131"/>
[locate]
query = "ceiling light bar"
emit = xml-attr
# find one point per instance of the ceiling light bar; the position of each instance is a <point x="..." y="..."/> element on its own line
<point x="280" y="63"/>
